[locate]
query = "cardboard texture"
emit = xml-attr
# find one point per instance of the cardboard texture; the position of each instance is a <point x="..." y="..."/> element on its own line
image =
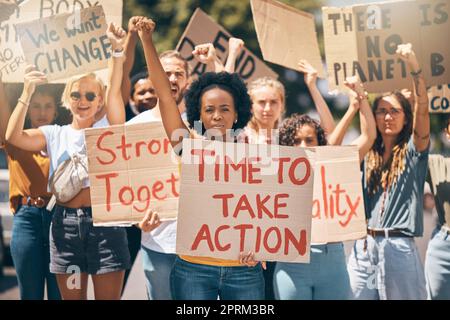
<point x="132" y="169"/>
<point x="338" y="206"/>
<point x="62" y="49"/>
<point x="277" y="228"/>
<point x="439" y="97"/>
<point x="12" y="58"/>
<point x="286" y="35"/>
<point x="203" y="29"/>
<point x="363" y="39"/>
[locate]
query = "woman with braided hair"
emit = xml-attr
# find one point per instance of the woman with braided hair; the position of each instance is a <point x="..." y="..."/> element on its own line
<point x="386" y="265"/>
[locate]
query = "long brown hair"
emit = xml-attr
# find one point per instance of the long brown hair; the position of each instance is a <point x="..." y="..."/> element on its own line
<point x="386" y="174"/>
<point x="266" y="82"/>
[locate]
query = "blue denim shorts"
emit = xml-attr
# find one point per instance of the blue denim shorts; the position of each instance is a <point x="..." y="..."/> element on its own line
<point x="77" y="246"/>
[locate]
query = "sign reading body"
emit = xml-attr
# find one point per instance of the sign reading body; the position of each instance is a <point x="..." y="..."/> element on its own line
<point x="12" y="59"/>
<point x="363" y="39"/>
<point x="202" y="29"/>
<point x="338" y="206"/>
<point x="278" y="27"/>
<point x="439" y="97"/>
<point x="232" y="201"/>
<point x="61" y="47"/>
<point x="131" y="170"/>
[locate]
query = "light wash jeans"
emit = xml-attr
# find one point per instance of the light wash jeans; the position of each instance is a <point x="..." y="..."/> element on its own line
<point x="157" y="267"/>
<point x="191" y="281"/>
<point x="437" y="265"/>
<point x="30" y="252"/>
<point x="324" y="278"/>
<point x="388" y="269"/>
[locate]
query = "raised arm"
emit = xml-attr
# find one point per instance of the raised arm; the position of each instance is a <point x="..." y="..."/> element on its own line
<point x="206" y="54"/>
<point x="170" y="114"/>
<point x="235" y="45"/>
<point x="115" y="108"/>
<point x="366" y="118"/>
<point x="310" y="74"/>
<point x="421" y="123"/>
<point x="5" y="112"/>
<point x="31" y="139"/>
<point x="130" y="52"/>
<point x="337" y="136"/>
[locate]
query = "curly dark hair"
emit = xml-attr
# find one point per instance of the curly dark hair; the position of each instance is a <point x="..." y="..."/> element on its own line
<point x="289" y="127"/>
<point x="386" y="174"/>
<point x="229" y="82"/>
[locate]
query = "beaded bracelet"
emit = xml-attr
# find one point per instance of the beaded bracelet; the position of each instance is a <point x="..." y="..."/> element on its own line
<point x="23" y="102"/>
<point x="118" y="53"/>
<point x="415" y="74"/>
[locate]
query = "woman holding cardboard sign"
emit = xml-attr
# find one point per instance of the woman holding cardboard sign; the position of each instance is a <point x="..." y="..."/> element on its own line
<point x="386" y="265"/>
<point x="221" y="102"/>
<point x="326" y="276"/>
<point x="28" y="197"/>
<point x="77" y="247"/>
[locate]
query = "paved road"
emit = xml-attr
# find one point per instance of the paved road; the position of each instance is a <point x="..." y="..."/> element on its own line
<point x="135" y="289"/>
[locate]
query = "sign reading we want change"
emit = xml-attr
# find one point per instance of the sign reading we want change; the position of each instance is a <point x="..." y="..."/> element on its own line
<point x="131" y="170"/>
<point x="61" y="49"/>
<point x="362" y="40"/>
<point x="278" y="27"/>
<point x="203" y="29"/>
<point x="12" y="58"/>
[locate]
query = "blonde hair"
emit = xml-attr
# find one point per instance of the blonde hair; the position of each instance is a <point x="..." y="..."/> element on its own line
<point x="65" y="99"/>
<point x="271" y="83"/>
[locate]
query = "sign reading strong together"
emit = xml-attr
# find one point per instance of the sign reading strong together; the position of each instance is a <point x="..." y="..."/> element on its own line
<point x="131" y="170"/>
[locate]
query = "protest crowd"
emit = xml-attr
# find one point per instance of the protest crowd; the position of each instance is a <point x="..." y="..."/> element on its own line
<point x="224" y="196"/>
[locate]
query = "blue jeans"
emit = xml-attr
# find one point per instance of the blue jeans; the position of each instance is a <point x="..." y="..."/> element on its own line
<point x="191" y="281"/>
<point x="157" y="267"/>
<point x="30" y="252"/>
<point x="324" y="278"/>
<point x="437" y="266"/>
<point x="387" y="269"/>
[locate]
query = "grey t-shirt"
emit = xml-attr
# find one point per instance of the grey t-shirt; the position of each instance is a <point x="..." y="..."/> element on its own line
<point x="404" y="200"/>
<point x="440" y="183"/>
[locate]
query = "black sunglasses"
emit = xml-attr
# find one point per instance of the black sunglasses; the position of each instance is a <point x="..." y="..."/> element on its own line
<point x="76" y="96"/>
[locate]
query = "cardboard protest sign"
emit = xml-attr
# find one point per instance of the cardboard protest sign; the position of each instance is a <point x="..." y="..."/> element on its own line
<point x="362" y="40"/>
<point x="203" y="29"/>
<point x="12" y="59"/>
<point x="61" y="49"/>
<point x="7" y="8"/>
<point x="439" y="97"/>
<point x="238" y="197"/>
<point x="338" y="205"/>
<point x="286" y="35"/>
<point x="131" y="170"/>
